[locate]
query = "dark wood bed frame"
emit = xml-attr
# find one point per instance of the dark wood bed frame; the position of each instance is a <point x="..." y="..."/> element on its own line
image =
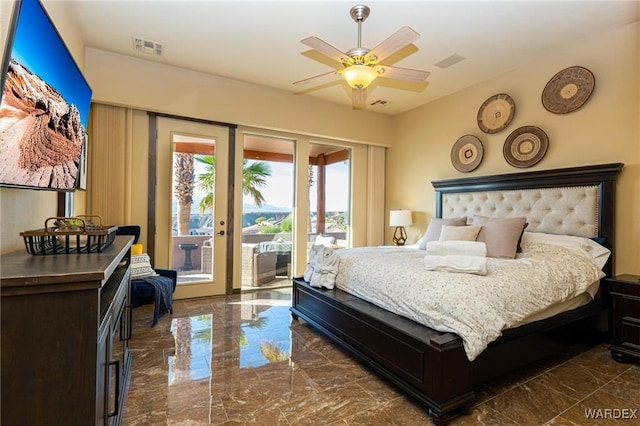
<point x="432" y="366"/>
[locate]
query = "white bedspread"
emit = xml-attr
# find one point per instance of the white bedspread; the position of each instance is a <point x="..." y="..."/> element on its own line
<point x="456" y="264"/>
<point x="477" y="308"/>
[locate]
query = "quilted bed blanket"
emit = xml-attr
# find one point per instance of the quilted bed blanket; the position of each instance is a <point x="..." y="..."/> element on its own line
<point x="477" y="308"/>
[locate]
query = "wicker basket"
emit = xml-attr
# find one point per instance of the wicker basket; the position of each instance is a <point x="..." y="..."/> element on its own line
<point x="86" y="237"/>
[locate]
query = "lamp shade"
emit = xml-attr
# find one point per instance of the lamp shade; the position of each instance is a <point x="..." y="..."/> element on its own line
<point x="400" y="218"/>
<point x="359" y="76"/>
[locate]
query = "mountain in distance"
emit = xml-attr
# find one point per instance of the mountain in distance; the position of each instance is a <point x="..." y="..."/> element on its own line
<point x="246" y="208"/>
<point x="252" y="208"/>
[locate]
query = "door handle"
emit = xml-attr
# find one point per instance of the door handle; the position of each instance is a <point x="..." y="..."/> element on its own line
<point x="220" y="233"/>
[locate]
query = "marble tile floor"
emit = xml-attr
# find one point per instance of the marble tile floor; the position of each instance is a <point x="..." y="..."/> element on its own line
<point x="241" y="359"/>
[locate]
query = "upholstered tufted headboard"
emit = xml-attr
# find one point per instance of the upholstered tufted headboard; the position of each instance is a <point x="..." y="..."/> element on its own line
<point x="575" y="201"/>
<point x="568" y="211"/>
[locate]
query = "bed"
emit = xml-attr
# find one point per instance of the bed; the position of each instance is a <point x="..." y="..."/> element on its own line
<point x="432" y="366"/>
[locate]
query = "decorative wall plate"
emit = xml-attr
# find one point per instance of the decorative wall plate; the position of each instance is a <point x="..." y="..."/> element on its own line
<point x="466" y="153"/>
<point x="568" y="90"/>
<point x="496" y="113"/>
<point x="525" y="146"/>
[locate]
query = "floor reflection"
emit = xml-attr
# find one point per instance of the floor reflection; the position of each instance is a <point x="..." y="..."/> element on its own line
<point x="261" y="328"/>
<point x="241" y="359"/>
<point x="265" y="337"/>
<point x="193" y="337"/>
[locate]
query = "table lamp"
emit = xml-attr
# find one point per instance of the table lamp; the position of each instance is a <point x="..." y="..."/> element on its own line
<point x="400" y="219"/>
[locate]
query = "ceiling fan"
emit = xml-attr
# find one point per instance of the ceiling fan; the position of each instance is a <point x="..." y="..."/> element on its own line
<point x="360" y="66"/>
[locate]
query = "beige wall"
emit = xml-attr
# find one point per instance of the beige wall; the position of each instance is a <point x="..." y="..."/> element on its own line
<point x="604" y="130"/>
<point x="22" y="209"/>
<point x="146" y="85"/>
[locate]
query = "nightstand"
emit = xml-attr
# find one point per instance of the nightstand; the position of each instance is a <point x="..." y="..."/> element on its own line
<point x="624" y="316"/>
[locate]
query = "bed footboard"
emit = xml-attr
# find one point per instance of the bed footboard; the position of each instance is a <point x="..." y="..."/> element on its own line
<point x="429" y="365"/>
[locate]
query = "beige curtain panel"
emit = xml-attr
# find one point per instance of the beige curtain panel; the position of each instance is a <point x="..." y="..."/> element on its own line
<point x="110" y="149"/>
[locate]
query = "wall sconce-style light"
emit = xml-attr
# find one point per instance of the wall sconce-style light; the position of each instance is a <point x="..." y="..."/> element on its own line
<point x="400" y="219"/>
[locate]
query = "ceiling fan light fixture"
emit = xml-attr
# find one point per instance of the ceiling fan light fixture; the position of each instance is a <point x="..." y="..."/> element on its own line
<point x="359" y="76"/>
<point x="361" y="65"/>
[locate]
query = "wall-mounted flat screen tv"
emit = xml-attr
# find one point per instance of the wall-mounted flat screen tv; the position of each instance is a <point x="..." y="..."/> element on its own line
<point x="44" y="105"/>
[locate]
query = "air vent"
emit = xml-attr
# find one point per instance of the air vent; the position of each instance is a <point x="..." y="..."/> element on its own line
<point x="147" y="47"/>
<point x="379" y="102"/>
<point x="451" y="60"/>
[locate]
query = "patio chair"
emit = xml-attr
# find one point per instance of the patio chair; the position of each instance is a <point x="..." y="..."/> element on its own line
<point x="257" y="268"/>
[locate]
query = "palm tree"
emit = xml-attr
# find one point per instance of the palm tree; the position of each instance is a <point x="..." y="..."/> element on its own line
<point x="184" y="183"/>
<point x="253" y="178"/>
<point x="207" y="181"/>
<point x="181" y="362"/>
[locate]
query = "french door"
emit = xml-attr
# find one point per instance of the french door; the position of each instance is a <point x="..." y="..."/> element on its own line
<point x="192" y="201"/>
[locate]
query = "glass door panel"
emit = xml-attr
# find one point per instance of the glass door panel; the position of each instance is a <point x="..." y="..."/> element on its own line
<point x="191" y="214"/>
<point x="267" y="216"/>
<point x="192" y="208"/>
<point x="329" y="195"/>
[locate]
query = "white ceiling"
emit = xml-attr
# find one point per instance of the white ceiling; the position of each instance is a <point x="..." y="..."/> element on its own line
<point x="259" y="41"/>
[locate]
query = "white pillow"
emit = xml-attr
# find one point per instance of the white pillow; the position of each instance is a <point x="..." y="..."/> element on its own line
<point x="459" y="233"/>
<point x="598" y="253"/>
<point x="435" y="228"/>
<point x="324" y="241"/>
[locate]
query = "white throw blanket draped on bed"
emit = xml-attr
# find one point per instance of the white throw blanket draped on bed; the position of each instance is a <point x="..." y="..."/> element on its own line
<point x="456" y="263"/>
<point x="477" y="308"/>
<point x="458" y="248"/>
<point x="468" y="257"/>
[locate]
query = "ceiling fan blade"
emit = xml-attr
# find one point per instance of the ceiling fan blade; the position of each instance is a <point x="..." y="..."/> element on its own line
<point x="319" y="79"/>
<point x="359" y="98"/>
<point x="402" y="73"/>
<point x="401" y="38"/>
<point x="325" y="48"/>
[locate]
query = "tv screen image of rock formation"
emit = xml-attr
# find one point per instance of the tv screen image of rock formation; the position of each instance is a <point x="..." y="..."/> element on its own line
<point x="41" y="135"/>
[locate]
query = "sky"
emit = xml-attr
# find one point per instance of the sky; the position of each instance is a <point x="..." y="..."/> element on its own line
<point x="279" y="188"/>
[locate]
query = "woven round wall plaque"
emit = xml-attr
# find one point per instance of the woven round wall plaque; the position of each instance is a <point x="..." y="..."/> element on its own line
<point x="525" y="146"/>
<point x="466" y="153"/>
<point x="568" y="90"/>
<point x="496" y="113"/>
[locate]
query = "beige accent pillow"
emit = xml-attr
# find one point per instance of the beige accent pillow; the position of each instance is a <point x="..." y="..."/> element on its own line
<point x="141" y="266"/>
<point x="459" y="233"/>
<point x="435" y="228"/>
<point x="501" y="235"/>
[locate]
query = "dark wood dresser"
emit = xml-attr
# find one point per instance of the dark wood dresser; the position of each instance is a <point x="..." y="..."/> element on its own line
<point x="624" y="316"/>
<point x="65" y="326"/>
